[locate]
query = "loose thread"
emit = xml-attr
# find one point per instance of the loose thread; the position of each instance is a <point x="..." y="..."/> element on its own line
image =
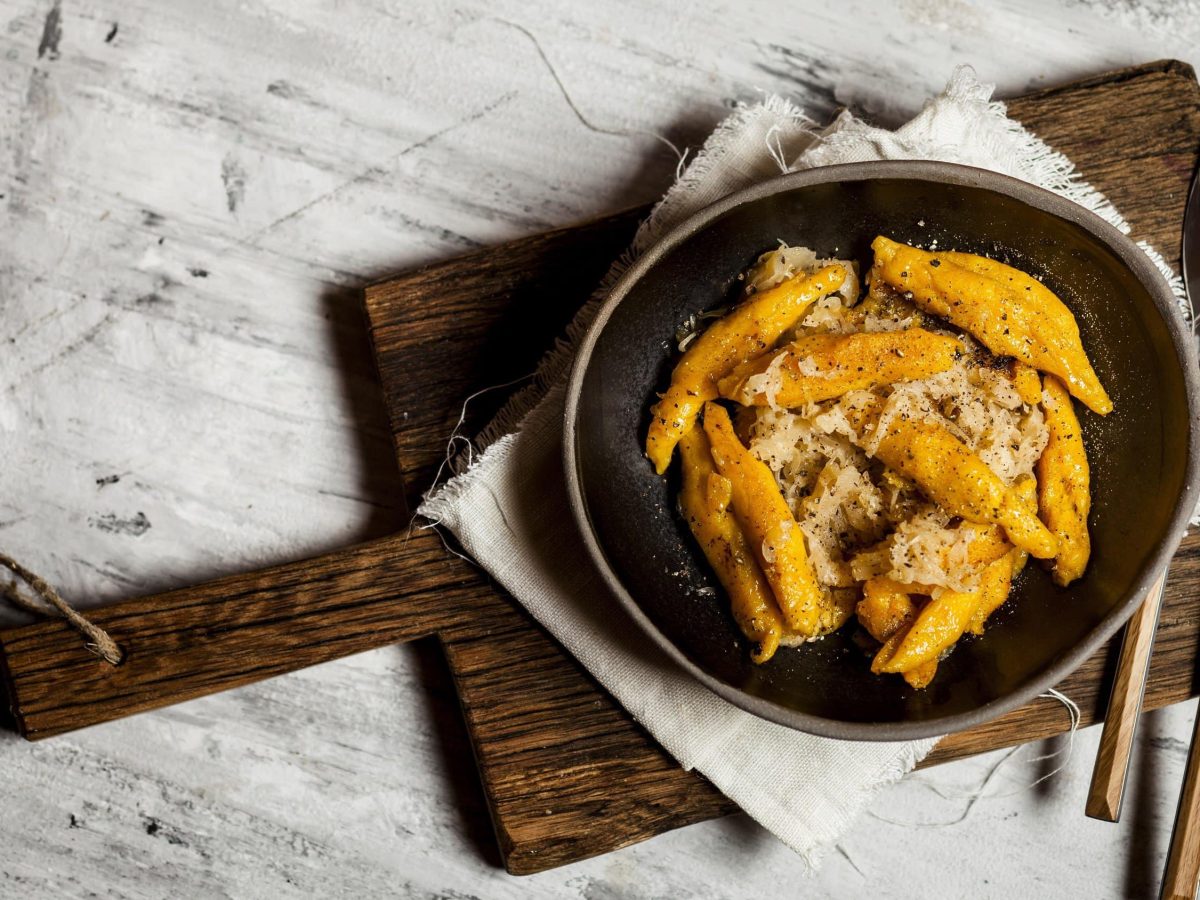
<point x="775" y="151"/>
<point x="1074" y="714"/>
<point x="587" y="123"/>
<point x="682" y="164"/>
<point x="98" y="641"/>
<point x="468" y="451"/>
<point x="450" y="461"/>
<point x="979" y="793"/>
<point x="435" y="525"/>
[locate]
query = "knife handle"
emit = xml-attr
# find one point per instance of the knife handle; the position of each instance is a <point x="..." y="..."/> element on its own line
<point x="1182" y="872"/>
<point x="1124" y="707"/>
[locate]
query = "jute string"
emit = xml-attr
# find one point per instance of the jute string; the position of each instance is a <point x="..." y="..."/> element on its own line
<point x="97" y="642"/>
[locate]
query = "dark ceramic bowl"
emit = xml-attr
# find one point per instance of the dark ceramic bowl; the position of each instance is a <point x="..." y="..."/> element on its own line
<point x="1143" y="455"/>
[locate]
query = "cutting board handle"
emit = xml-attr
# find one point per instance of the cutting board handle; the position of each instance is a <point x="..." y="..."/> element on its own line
<point x="229" y="632"/>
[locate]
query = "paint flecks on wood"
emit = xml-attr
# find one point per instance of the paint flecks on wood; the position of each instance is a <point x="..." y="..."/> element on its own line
<point x="134" y="526"/>
<point x="233" y="177"/>
<point x="51" y="32"/>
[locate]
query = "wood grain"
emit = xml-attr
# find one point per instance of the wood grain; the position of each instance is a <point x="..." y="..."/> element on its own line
<point x="233" y="631"/>
<point x="550" y="744"/>
<point x="1124" y="709"/>
<point x="442" y="333"/>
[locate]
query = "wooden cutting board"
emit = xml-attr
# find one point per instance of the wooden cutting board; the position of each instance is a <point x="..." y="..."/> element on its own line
<point x="567" y="774"/>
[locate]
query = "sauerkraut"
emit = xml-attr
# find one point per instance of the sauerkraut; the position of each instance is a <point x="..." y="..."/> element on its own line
<point x="860" y="519"/>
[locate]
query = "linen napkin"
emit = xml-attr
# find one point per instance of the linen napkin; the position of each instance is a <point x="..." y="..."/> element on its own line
<point x="509" y="508"/>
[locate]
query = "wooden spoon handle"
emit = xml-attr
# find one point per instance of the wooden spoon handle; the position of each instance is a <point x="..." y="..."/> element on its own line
<point x="1182" y="873"/>
<point x="230" y="632"/>
<point x="1124" y="707"/>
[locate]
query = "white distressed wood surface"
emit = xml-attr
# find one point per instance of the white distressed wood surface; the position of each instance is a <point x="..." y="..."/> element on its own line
<point x="190" y="196"/>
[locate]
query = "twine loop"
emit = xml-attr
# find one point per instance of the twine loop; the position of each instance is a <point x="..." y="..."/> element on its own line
<point x="98" y="640"/>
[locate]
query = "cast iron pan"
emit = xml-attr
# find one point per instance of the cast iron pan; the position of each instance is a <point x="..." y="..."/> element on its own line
<point x="1143" y="455"/>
